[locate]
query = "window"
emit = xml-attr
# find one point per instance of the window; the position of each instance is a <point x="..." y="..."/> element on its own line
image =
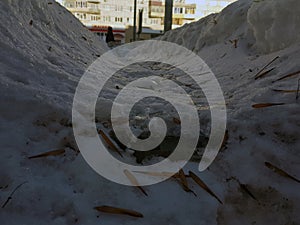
<point x="178" y="10"/>
<point x="118" y="19"/>
<point x="119" y="8"/>
<point x="190" y="11"/>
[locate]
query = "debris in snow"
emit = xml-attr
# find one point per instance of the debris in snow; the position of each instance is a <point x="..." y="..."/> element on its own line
<point x="109" y="142"/>
<point x="115" y="210"/>
<point x="260" y="74"/>
<point x="280" y="171"/>
<point x="12" y="193"/>
<point x="264" y="73"/>
<point x="246" y="189"/>
<point x="50" y="153"/>
<point x="288" y="76"/>
<point x="264" y="105"/>
<point x="234" y="42"/>
<point x="184" y="183"/>
<point x="285" y="91"/>
<point x="134" y="181"/>
<point x="203" y="185"/>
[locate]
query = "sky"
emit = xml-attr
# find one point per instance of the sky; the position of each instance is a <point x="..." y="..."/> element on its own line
<point x="198" y="2"/>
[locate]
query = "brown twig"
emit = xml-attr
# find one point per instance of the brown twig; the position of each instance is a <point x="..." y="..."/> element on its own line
<point x="285" y="91"/>
<point x="280" y="171"/>
<point x="287" y="76"/>
<point x="109" y="142"/>
<point x="12" y="193"/>
<point x="115" y="210"/>
<point x="134" y="181"/>
<point x="184" y="183"/>
<point x="259" y="72"/>
<point x="47" y="154"/>
<point x="264" y="105"/>
<point x="204" y="186"/>
<point x="297" y="95"/>
<point x="264" y="73"/>
<point x="245" y="188"/>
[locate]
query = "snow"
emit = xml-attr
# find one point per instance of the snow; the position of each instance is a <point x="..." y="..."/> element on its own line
<point x="269" y="25"/>
<point x="41" y="63"/>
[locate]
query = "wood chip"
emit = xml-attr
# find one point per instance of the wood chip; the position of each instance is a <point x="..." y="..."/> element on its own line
<point x="285" y="91"/>
<point x="203" y="185"/>
<point x="134" y="181"/>
<point x="120" y="211"/>
<point x="245" y="188"/>
<point x="264" y="73"/>
<point x="109" y="142"/>
<point x="288" y="76"/>
<point x="12" y="193"/>
<point x="234" y="42"/>
<point x="264" y="105"/>
<point x="184" y="182"/>
<point x="259" y="72"/>
<point x="280" y="171"/>
<point x="47" y="154"/>
<point x="176" y="121"/>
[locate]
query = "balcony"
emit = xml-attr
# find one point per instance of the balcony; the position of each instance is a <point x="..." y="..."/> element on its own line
<point x="156" y="14"/>
<point x="85" y="10"/>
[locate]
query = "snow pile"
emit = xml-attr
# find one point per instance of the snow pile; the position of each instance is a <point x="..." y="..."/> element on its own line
<point x="265" y="26"/>
<point x="275" y="24"/>
<point x="237" y="44"/>
<point x="45" y="50"/>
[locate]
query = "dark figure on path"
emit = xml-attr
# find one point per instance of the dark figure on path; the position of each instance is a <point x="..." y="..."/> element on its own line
<point x="110" y="39"/>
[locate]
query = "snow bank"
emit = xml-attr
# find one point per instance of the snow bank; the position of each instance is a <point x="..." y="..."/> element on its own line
<point x="275" y="23"/>
<point x="237" y="44"/>
<point x="264" y="26"/>
<point x="44" y="49"/>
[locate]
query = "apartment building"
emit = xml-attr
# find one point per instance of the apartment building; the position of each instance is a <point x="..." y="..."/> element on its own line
<point x="87" y="11"/>
<point x="97" y="15"/>
<point x="182" y="12"/>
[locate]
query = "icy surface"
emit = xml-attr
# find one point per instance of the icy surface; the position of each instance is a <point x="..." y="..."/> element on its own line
<point x="44" y="50"/>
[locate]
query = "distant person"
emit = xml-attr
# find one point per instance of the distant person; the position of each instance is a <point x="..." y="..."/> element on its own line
<point x="110" y="39"/>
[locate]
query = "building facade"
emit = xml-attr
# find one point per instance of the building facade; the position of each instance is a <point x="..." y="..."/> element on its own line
<point x="87" y="11"/>
<point x="182" y="13"/>
<point x="97" y="15"/>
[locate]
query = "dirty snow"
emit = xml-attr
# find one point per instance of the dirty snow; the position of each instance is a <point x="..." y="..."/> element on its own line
<point x="45" y="50"/>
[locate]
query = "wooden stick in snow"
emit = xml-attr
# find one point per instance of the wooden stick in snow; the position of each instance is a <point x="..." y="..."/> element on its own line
<point x="203" y="185"/>
<point x="115" y="210"/>
<point x="134" y="181"/>
<point x="47" y="154"/>
<point x="258" y="74"/>
<point x="287" y="76"/>
<point x="12" y="193"/>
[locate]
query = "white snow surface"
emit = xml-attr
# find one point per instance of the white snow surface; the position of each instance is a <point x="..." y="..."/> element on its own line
<point x="41" y="63"/>
<point x="263" y="25"/>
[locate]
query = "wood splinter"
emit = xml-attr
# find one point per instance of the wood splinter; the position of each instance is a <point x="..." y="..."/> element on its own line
<point x="12" y="193"/>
